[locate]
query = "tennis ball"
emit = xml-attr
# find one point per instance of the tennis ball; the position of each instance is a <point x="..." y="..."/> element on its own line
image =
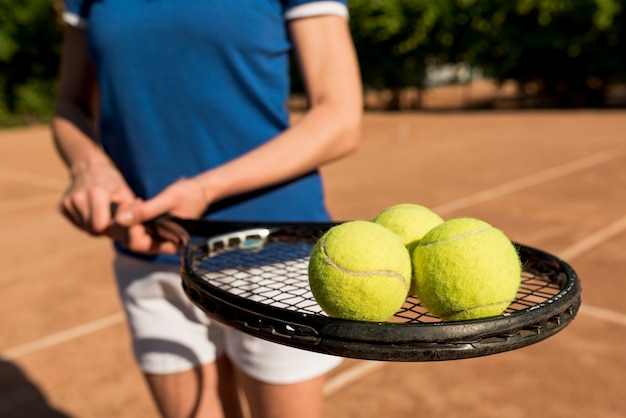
<point x="360" y="270"/>
<point x="409" y="221"/>
<point x="466" y="269"/>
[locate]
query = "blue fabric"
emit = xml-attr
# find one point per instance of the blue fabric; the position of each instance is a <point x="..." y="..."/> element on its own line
<point x="75" y="6"/>
<point x="187" y="85"/>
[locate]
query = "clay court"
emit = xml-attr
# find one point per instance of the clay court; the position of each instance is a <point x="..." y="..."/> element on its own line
<point x="554" y="180"/>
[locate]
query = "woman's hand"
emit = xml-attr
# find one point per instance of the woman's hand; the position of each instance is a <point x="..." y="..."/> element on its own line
<point x="87" y="201"/>
<point x="183" y="198"/>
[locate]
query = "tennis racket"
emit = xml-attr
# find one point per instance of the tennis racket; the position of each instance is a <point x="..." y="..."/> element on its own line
<point x="254" y="277"/>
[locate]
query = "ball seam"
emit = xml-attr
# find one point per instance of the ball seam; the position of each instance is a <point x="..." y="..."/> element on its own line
<point x="466" y="234"/>
<point x="391" y="273"/>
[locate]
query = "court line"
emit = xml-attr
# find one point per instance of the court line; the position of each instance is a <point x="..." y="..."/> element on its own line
<point x="606" y="315"/>
<point x="341" y="380"/>
<point x="31" y="178"/>
<point x="63" y="336"/>
<point x="593" y="240"/>
<point x="532" y="180"/>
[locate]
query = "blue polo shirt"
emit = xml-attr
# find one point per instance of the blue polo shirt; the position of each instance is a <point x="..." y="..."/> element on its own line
<point x="187" y="85"/>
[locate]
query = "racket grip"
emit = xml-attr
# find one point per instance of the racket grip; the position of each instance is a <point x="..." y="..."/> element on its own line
<point x="163" y="227"/>
<point x="166" y="228"/>
<point x="113" y="206"/>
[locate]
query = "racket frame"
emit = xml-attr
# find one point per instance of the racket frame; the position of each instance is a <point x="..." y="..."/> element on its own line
<point x="383" y="341"/>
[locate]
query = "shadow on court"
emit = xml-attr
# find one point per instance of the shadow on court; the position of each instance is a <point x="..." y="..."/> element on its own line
<point x="20" y="397"/>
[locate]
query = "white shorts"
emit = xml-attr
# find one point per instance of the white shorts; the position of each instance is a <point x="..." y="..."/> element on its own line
<point x="170" y="334"/>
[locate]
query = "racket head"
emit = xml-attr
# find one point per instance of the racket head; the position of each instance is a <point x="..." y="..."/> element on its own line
<point x="255" y="279"/>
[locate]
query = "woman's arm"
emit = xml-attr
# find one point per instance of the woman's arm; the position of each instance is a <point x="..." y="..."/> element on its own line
<point x="95" y="182"/>
<point x="330" y="129"/>
<point x="74" y="113"/>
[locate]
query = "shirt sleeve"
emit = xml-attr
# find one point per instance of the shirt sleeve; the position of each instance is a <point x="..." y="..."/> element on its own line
<point x="297" y="9"/>
<point x="75" y="13"/>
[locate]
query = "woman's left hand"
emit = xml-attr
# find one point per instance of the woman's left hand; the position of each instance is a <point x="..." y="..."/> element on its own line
<point x="184" y="198"/>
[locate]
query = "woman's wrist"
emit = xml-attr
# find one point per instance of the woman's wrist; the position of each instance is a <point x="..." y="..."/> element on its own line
<point x="88" y="164"/>
<point x="207" y="189"/>
<point x="204" y="195"/>
<point x="213" y="185"/>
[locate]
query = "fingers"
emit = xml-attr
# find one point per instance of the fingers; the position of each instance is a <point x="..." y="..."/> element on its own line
<point x="140" y="211"/>
<point x="100" y="211"/>
<point x="88" y="210"/>
<point x="183" y="198"/>
<point x="149" y="236"/>
<point x="138" y="239"/>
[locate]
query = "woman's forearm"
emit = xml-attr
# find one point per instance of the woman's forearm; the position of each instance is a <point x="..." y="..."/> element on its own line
<point x="73" y="124"/>
<point x="76" y="146"/>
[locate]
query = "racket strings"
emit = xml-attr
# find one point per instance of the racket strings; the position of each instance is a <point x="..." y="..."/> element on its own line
<point x="541" y="281"/>
<point x="277" y="275"/>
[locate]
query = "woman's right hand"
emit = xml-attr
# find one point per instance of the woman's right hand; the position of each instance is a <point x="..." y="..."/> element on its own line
<point x="87" y="201"/>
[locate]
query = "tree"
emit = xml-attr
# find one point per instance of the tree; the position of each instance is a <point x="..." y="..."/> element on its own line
<point x="394" y="41"/>
<point x="30" y="39"/>
<point x="565" y="51"/>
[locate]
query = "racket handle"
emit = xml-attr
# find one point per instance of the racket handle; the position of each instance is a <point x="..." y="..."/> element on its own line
<point x="113" y="206"/>
<point x="166" y="228"/>
<point x="163" y="227"/>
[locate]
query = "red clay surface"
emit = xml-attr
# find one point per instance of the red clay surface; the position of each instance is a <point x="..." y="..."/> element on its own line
<point x="553" y="180"/>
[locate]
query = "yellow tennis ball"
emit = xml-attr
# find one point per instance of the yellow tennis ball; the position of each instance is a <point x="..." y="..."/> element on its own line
<point x="466" y="269"/>
<point x="360" y="270"/>
<point x="408" y="220"/>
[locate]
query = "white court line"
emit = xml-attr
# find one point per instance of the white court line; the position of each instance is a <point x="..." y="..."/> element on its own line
<point x="348" y="376"/>
<point x="31" y="178"/>
<point x="532" y="180"/>
<point x="63" y="336"/>
<point x="602" y="314"/>
<point x="594" y="239"/>
<point x="584" y="246"/>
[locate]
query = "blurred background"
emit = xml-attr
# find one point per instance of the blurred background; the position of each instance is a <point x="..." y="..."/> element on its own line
<point x="507" y="110"/>
<point x="504" y="53"/>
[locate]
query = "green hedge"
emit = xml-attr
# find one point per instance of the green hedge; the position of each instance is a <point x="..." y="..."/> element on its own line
<point x="568" y="51"/>
<point x="30" y="41"/>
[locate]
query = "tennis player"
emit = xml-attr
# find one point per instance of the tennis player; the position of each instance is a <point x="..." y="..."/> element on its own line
<point x="179" y="106"/>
